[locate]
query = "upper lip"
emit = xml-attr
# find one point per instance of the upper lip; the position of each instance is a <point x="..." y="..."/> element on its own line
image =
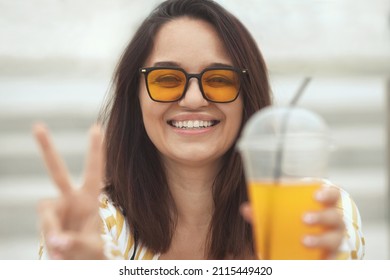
<point x="191" y="117"/>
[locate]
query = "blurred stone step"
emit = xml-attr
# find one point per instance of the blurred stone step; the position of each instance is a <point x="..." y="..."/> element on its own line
<point x="19" y="247"/>
<point x="19" y="197"/>
<point x="367" y="186"/>
<point x="56" y="122"/>
<point x="20" y="154"/>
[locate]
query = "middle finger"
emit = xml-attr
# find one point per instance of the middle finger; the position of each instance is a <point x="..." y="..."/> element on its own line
<point x="53" y="161"/>
<point x="329" y="218"/>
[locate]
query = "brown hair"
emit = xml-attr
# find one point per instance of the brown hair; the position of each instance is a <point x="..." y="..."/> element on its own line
<point x="136" y="181"/>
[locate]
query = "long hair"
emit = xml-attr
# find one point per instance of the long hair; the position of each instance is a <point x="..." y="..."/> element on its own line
<point x="136" y="181"/>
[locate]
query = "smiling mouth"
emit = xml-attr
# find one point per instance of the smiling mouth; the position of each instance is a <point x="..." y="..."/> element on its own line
<point x="193" y="124"/>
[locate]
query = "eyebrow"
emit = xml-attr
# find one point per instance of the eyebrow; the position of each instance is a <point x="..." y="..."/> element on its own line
<point x="166" y="63"/>
<point x="175" y="64"/>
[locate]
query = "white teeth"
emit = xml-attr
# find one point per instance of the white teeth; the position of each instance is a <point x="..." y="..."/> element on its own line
<point x="192" y="124"/>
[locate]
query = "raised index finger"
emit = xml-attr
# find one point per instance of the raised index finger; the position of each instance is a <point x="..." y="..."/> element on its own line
<point x="53" y="161"/>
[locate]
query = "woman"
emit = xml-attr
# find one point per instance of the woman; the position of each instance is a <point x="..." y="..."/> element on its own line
<point x="173" y="182"/>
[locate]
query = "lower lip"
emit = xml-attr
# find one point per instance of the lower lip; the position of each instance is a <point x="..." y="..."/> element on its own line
<point x="196" y="131"/>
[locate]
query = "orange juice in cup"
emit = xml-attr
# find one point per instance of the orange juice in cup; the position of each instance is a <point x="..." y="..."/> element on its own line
<point x="278" y="209"/>
<point x="285" y="155"/>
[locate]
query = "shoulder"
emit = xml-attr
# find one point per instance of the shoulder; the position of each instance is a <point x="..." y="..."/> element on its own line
<point x="350" y="209"/>
<point x="353" y="246"/>
<point x="111" y="215"/>
<point x="117" y="235"/>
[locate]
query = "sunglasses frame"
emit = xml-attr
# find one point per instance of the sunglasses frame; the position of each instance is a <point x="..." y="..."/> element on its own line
<point x="147" y="70"/>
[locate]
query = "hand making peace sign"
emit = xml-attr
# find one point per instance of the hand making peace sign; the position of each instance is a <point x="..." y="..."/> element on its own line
<point x="70" y="223"/>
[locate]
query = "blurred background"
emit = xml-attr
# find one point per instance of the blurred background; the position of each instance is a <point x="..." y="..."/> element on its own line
<point x="57" y="58"/>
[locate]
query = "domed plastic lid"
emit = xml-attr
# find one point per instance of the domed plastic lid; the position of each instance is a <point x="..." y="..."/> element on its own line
<point x="266" y="128"/>
<point x="281" y="142"/>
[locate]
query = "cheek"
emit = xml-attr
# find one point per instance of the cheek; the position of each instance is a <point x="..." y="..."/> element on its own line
<point x="148" y="106"/>
<point x="146" y="109"/>
<point x="148" y="113"/>
<point x="236" y="114"/>
<point x="152" y="113"/>
<point x="142" y="94"/>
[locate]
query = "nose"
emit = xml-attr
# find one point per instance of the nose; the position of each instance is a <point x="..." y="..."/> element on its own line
<point x="193" y="97"/>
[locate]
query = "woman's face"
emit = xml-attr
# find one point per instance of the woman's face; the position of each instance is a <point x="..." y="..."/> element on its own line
<point x="192" y="45"/>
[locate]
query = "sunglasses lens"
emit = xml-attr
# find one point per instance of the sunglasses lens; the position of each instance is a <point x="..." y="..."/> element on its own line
<point x="166" y="84"/>
<point x="221" y="85"/>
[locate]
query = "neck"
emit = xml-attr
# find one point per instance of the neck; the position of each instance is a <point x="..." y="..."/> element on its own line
<point x="191" y="189"/>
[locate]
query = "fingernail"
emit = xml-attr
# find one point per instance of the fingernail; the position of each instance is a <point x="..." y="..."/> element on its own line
<point x="310" y="241"/>
<point x="58" y="241"/>
<point x="56" y="256"/>
<point x="310" y="218"/>
<point x="321" y="195"/>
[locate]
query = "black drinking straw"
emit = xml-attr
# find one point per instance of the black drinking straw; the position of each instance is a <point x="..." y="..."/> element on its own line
<point x="278" y="164"/>
<point x="280" y="150"/>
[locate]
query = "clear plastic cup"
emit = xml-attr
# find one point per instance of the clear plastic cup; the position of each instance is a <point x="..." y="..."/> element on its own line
<point x="285" y="153"/>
